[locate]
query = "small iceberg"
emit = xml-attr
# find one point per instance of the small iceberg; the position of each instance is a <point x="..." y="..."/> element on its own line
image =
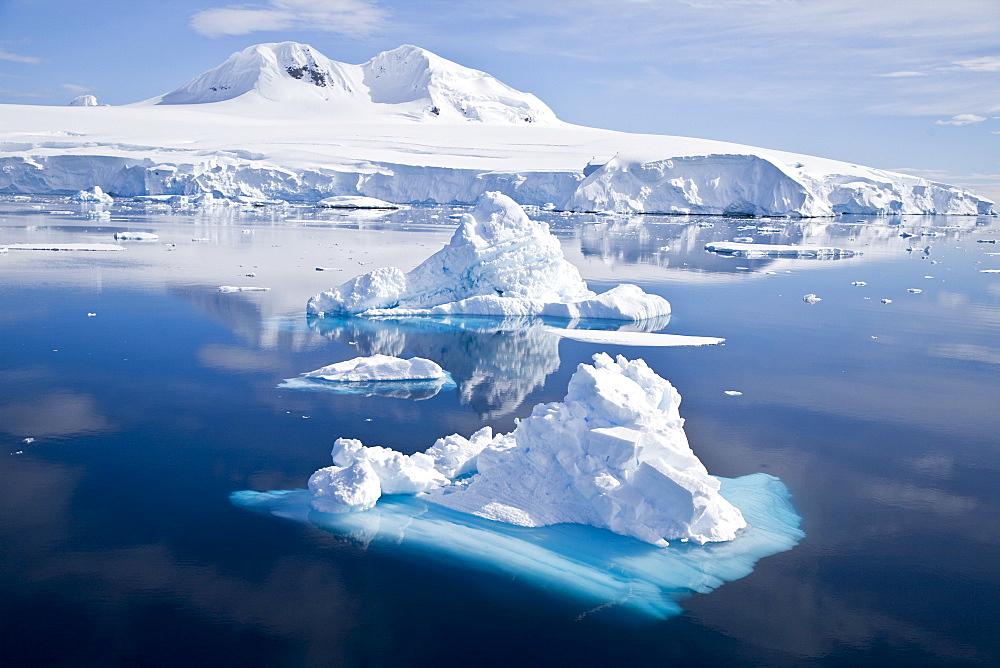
<point x="94" y="195"/>
<point x="498" y="263"/>
<point x="355" y="202"/>
<point x="778" y="250"/>
<point x="382" y="375"/>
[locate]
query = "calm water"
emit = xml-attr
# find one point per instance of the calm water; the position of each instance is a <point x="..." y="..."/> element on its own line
<point x="119" y="545"/>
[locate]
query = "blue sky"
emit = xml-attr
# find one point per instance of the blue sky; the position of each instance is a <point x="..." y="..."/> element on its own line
<point x="910" y="85"/>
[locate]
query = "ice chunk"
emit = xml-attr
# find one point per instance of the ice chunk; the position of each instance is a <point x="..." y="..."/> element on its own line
<point x="811" y="298"/>
<point x="859" y="284"/>
<point x="915" y="291"/>
<point x="886" y="301"/>
<point x="593" y="569"/>
<point x="734" y="393"/>
<point x="84" y="101"/>
<point x="612" y="455"/>
<point x="241" y="288"/>
<point x="341" y="489"/>
<point x="95" y="194"/>
<point x="498" y="263"/>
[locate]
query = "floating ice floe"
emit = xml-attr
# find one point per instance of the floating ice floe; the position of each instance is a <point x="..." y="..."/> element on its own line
<point x="64" y="247"/>
<point x="241" y="288"/>
<point x="136" y="236"/>
<point x="859" y="284"/>
<point x="355" y="202"/>
<point x="811" y="298"/>
<point x="915" y="291"/>
<point x="886" y="301"/>
<point x="777" y="250"/>
<point x="625" y="338"/>
<point x="612" y="455"/>
<point x="382" y="375"/>
<point x="734" y="393"/>
<point x="498" y="263"/>
<point x="989" y="271"/>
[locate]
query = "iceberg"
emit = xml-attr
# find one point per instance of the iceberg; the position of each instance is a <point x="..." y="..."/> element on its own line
<point x="383" y="375"/>
<point x="499" y="262"/>
<point x="595" y="572"/>
<point x="612" y="454"/>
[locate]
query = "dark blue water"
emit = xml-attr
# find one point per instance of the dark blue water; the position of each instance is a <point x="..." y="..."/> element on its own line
<point x="119" y="544"/>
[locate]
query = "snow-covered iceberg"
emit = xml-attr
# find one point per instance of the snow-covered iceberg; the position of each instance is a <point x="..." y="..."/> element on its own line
<point x="94" y="194"/>
<point x="499" y="262"/>
<point x="593" y="571"/>
<point x="612" y="454"/>
<point x="383" y="375"/>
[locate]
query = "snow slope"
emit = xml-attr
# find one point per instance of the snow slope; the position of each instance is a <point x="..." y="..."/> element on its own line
<point x="282" y="121"/>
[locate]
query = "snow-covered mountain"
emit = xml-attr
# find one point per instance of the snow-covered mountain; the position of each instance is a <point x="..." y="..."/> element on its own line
<point x="412" y="80"/>
<point x="283" y="121"/>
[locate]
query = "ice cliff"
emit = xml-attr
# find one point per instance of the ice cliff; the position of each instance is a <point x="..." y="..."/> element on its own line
<point x="499" y="262"/>
<point x="612" y="454"/>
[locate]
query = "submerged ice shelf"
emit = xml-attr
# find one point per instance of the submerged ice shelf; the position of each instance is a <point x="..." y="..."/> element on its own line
<point x="499" y="262"/>
<point x="595" y="570"/>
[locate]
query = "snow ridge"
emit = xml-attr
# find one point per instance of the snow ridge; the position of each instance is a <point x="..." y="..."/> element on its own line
<point x="424" y="85"/>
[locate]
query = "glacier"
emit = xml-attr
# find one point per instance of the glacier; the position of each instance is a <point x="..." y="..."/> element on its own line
<point x="612" y="454"/>
<point x="499" y="262"/>
<point x="281" y="121"/>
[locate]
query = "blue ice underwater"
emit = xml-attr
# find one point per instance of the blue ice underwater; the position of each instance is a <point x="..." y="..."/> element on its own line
<point x="597" y="569"/>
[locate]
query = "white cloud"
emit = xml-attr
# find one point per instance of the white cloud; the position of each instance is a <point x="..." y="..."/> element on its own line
<point x="902" y="74"/>
<point x="346" y="17"/>
<point x="984" y="64"/>
<point x="15" y="58"/>
<point x="963" y="119"/>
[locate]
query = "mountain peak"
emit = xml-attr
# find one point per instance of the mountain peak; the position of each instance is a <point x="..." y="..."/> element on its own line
<point x="412" y="81"/>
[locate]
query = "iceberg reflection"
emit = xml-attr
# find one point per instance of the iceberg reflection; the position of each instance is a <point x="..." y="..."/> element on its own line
<point x="496" y="362"/>
<point x="598" y="570"/>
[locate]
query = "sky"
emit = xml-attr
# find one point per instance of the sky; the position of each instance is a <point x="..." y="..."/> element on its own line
<point x="905" y="85"/>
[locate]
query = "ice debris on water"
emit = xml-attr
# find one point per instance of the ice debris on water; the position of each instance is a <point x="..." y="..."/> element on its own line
<point x="499" y="262"/>
<point x="136" y="236"/>
<point x="915" y="291"/>
<point x="778" y="250"/>
<point x="734" y="393"/>
<point x="612" y="454"/>
<point x="243" y="288"/>
<point x="811" y="298"/>
<point x="91" y="315"/>
<point x="886" y="301"/>
<point x="859" y="284"/>
<point x="28" y="440"/>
